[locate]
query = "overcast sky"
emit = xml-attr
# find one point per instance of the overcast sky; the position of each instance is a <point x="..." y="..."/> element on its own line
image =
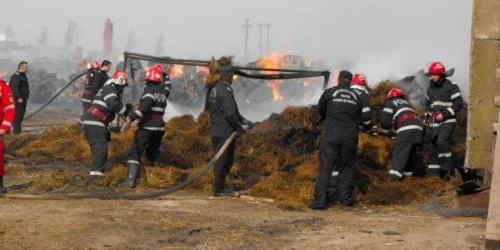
<point x="385" y="38"/>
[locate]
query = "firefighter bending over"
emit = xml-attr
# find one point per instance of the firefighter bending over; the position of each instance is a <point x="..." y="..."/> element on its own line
<point x="101" y="113"/>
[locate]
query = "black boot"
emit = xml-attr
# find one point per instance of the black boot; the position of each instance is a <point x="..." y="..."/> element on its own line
<point x="225" y="193"/>
<point x="133" y="174"/>
<point x="3" y="190"/>
<point x="319" y="202"/>
<point x="94" y="178"/>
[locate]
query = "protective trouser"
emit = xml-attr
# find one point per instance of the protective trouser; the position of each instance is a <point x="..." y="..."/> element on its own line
<point x="404" y="160"/>
<point x="86" y="107"/>
<point x="2" y="167"/>
<point x="440" y="152"/>
<point x="145" y="141"/>
<point x="341" y="153"/>
<point x="98" y="138"/>
<point x="224" y="163"/>
<point x="18" y="119"/>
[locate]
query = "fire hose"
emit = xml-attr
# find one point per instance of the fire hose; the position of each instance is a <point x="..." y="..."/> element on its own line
<point x="54" y="97"/>
<point x="121" y="196"/>
<point x="435" y="206"/>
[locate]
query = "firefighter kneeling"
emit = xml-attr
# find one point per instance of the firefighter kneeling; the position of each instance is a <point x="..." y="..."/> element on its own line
<point x="398" y="113"/>
<point x="101" y="113"/>
<point x="151" y="124"/>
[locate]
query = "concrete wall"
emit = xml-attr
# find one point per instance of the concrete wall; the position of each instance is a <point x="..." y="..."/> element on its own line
<point x="484" y="83"/>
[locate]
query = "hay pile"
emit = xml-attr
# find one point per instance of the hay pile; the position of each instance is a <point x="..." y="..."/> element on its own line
<point x="278" y="159"/>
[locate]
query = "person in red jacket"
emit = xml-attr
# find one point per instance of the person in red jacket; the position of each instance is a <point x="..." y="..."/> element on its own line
<point x="7" y="113"/>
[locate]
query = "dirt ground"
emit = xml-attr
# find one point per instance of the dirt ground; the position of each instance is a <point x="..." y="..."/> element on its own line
<point x="188" y="220"/>
<point x="193" y="220"/>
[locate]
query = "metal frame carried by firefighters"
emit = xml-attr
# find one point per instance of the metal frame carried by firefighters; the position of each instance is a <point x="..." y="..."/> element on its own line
<point x="281" y="74"/>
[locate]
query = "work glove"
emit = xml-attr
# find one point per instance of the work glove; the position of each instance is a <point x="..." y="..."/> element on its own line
<point x="134" y="116"/>
<point x="372" y="131"/>
<point x="128" y="109"/>
<point x="167" y="87"/>
<point x="248" y="124"/>
<point x="387" y="133"/>
<point x="240" y="130"/>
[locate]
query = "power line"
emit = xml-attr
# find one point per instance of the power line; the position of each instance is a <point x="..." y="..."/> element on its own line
<point x="247" y="27"/>
<point x="261" y="54"/>
<point x="268" y="47"/>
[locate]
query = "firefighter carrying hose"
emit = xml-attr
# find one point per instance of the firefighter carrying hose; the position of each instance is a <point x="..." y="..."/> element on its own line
<point x="399" y="114"/>
<point x="101" y="113"/>
<point x="225" y="119"/>
<point x="88" y="92"/>
<point x="341" y="109"/>
<point x="7" y="114"/>
<point x="444" y="101"/>
<point x="151" y="125"/>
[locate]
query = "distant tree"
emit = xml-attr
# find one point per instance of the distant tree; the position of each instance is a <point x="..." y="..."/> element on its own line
<point x="72" y="34"/>
<point x="131" y="40"/>
<point x="44" y="36"/>
<point x="159" y="45"/>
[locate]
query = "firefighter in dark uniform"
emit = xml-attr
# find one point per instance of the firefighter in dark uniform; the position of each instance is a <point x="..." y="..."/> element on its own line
<point x="96" y="78"/>
<point x="444" y="101"/>
<point x="341" y="110"/>
<point x="358" y="84"/>
<point x="107" y="103"/>
<point x="225" y="119"/>
<point x="400" y="115"/>
<point x="151" y="126"/>
<point x="20" y="89"/>
<point x="88" y="93"/>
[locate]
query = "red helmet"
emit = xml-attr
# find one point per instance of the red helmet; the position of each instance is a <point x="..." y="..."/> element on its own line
<point x="155" y="74"/>
<point x="94" y="64"/>
<point x="118" y="73"/>
<point x="120" y="78"/>
<point x="359" y="79"/>
<point x="395" y="92"/>
<point x="161" y="67"/>
<point x="436" y="68"/>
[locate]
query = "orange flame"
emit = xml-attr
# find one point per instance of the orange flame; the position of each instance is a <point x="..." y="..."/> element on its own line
<point x="176" y="71"/>
<point x="202" y="69"/>
<point x="275" y="87"/>
<point x="272" y="61"/>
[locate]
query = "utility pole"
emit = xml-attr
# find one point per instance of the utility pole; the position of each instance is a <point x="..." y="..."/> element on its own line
<point x="261" y="55"/>
<point x="247" y="27"/>
<point x="268" y="47"/>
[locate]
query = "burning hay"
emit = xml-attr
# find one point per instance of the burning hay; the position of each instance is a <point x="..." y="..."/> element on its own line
<point x="277" y="159"/>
